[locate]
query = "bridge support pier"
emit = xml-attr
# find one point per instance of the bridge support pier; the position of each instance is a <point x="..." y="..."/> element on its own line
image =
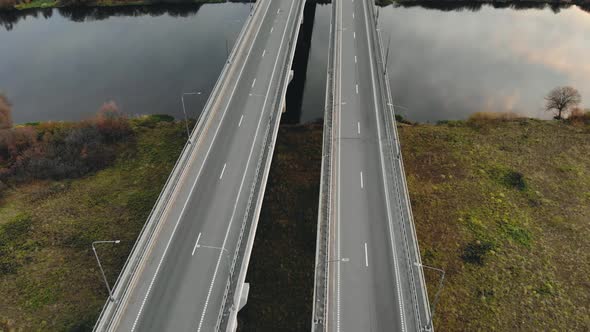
<point x="243" y="301"/>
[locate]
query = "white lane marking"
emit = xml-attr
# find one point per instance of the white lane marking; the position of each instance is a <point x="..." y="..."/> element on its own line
<point x="353" y="15"/>
<point x="254" y="83"/>
<point x="241" y="118"/>
<point x="362" y="183"/>
<point x="366" y="256"/>
<point x="194" y="184"/>
<point x="354" y="34"/>
<point x="272" y="29"/>
<point x="196" y="245"/>
<point x="358" y="127"/>
<point x="279" y="10"/>
<point x="338" y="274"/>
<point x="245" y="173"/>
<point x="357" y="89"/>
<point x="263" y="53"/>
<point x="355" y="60"/>
<point x="387" y="199"/>
<point x="223" y="170"/>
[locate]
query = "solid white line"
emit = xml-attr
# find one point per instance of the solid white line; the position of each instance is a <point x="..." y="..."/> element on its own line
<point x="223" y="170"/>
<point x="254" y="83"/>
<point x="338" y="306"/>
<point x="357" y="89"/>
<point x="362" y="183"/>
<point x="387" y="199"/>
<point x="196" y="244"/>
<point x="196" y="179"/>
<point x="241" y="118"/>
<point x="366" y="256"/>
<point x="358" y="126"/>
<point x="244" y="176"/>
<point x="263" y="53"/>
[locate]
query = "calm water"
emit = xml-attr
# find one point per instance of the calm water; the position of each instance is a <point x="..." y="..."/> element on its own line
<point x="444" y="64"/>
<point x="65" y="66"/>
<point x="448" y="64"/>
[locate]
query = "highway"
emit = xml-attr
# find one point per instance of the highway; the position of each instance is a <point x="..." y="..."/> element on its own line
<point x="369" y="265"/>
<point x="181" y="279"/>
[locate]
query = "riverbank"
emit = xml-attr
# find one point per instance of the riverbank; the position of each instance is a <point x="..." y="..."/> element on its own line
<point x="502" y="206"/>
<point x="49" y="279"/>
<point x="39" y="4"/>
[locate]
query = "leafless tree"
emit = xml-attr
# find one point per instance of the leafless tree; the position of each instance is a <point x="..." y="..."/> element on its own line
<point x="561" y="100"/>
<point x="5" y="113"/>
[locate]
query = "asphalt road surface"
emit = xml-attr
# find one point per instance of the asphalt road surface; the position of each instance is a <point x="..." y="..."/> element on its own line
<point x="181" y="285"/>
<point x="366" y="291"/>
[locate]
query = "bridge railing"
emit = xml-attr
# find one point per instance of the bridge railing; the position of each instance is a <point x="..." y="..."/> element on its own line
<point x="399" y="188"/>
<point x="321" y="278"/>
<point x="120" y="287"/>
<point x="249" y="224"/>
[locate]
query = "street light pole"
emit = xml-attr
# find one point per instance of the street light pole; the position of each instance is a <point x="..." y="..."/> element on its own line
<point x="100" y="266"/>
<point x="316" y="319"/>
<point x="188" y="133"/>
<point x="428" y="326"/>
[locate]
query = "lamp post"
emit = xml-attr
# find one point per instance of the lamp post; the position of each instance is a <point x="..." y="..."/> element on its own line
<point x="188" y="133"/>
<point x="318" y="320"/>
<point x="428" y="326"/>
<point x="100" y="265"/>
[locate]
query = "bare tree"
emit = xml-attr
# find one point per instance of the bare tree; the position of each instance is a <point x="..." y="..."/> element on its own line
<point x="5" y="113"/>
<point x="561" y="100"/>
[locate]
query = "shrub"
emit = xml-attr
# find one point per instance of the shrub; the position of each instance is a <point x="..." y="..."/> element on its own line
<point x="579" y="116"/>
<point x="479" y="117"/>
<point x="5" y="107"/>
<point x="475" y="252"/>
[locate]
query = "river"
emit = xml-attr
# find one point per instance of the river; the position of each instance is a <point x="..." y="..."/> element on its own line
<point x="444" y="63"/>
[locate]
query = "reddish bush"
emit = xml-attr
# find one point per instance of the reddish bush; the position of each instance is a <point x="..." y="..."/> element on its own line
<point x="5" y="111"/>
<point x="56" y="150"/>
<point x="579" y="116"/>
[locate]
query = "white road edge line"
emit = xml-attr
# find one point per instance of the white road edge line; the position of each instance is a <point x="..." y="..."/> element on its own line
<point x="194" y="184"/>
<point x="338" y="280"/>
<point x="196" y="245"/>
<point x="222" y="171"/>
<point x="241" y="118"/>
<point x="245" y="172"/>
<point x="366" y="256"/>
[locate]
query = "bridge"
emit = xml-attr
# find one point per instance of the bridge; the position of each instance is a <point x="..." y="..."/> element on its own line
<point x="368" y="270"/>
<point x="187" y="269"/>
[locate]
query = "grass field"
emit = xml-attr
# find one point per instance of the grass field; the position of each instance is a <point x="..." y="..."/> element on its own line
<point x="504" y="208"/>
<point x="49" y="278"/>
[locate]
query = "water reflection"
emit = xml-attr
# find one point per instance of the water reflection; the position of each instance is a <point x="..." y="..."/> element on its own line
<point x="446" y="65"/>
<point x="55" y="68"/>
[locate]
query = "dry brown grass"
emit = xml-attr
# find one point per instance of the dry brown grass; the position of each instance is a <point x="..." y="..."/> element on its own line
<point x="493" y="116"/>
<point x="579" y="117"/>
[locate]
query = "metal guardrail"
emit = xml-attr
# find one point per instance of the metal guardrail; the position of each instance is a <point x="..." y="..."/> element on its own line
<point x="257" y="190"/>
<point x="400" y="189"/>
<point x="324" y="209"/>
<point x="140" y="246"/>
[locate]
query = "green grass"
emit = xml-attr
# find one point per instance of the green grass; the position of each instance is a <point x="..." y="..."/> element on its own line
<point x="37" y="4"/>
<point x="49" y="280"/>
<point x="504" y="208"/>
